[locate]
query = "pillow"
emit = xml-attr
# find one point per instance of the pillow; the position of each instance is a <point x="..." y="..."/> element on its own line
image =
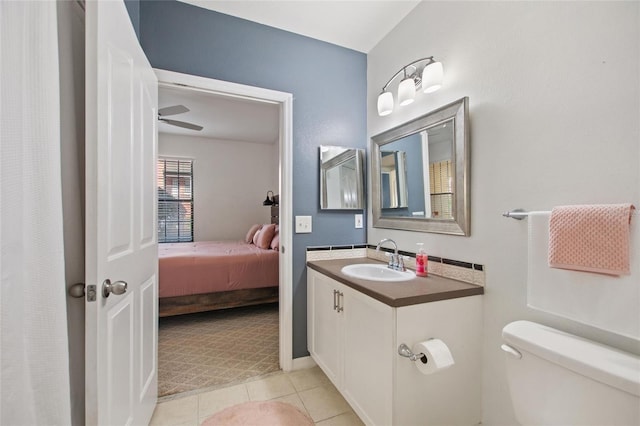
<point x="255" y="236"/>
<point x="252" y="231"/>
<point x="275" y="243"/>
<point x="265" y="236"/>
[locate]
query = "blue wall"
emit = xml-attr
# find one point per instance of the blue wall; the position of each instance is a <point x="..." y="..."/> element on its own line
<point x="328" y="84"/>
<point x="133" y="9"/>
<point x="412" y="147"/>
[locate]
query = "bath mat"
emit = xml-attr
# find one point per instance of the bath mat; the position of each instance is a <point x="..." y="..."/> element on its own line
<point x="267" y="413"/>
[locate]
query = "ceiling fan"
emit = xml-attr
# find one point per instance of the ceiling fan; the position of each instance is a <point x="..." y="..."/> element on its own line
<point x="174" y="110"/>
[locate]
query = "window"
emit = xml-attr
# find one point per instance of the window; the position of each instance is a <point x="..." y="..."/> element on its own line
<point x="441" y="183"/>
<point x="175" y="200"/>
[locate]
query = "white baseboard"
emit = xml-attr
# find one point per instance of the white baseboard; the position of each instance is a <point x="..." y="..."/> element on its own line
<point x="302" y="363"/>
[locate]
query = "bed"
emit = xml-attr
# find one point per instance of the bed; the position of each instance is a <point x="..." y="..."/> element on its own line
<point x="209" y="275"/>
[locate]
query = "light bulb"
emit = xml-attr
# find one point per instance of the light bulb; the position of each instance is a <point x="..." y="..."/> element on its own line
<point x="432" y="77"/>
<point x="406" y="91"/>
<point x="385" y="103"/>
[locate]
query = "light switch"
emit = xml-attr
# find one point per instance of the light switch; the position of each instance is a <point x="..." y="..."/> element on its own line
<point x="358" y="221"/>
<point x="303" y="224"/>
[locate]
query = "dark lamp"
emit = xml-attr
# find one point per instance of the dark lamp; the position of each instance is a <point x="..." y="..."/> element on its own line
<point x="269" y="200"/>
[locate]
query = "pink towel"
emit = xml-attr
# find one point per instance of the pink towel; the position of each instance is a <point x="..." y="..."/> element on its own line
<point x="592" y="238"/>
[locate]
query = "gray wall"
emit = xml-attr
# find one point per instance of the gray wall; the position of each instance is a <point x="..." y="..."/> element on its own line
<point x="554" y="103"/>
<point x="328" y="84"/>
<point x="214" y="160"/>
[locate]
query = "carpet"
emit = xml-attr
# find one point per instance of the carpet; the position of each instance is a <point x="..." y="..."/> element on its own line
<point x="263" y="413"/>
<point x="212" y="349"/>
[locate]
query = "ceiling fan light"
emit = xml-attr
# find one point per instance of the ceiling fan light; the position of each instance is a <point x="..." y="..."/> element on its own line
<point x="385" y="103"/>
<point x="406" y="91"/>
<point x="432" y="77"/>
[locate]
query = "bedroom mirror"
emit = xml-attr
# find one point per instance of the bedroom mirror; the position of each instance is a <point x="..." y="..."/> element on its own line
<point x="420" y="173"/>
<point x="341" y="178"/>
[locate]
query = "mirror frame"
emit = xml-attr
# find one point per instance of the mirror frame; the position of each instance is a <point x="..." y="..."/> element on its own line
<point x="460" y="224"/>
<point x="356" y="154"/>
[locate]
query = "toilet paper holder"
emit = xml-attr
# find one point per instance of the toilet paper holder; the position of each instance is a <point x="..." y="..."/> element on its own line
<point x="403" y="350"/>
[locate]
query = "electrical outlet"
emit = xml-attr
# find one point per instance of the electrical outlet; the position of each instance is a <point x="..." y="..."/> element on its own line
<point x="358" y="221"/>
<point x="303" y="224"/>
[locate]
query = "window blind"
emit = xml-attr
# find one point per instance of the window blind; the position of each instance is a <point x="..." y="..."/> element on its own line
<point x="175" y="200"/>
<point x="441" y="183"/>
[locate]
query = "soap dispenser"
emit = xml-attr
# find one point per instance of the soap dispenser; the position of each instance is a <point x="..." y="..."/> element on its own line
<point x="421" y="261"/>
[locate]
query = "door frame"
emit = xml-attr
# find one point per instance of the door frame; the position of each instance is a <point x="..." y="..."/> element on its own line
<point x="285" y="100"/>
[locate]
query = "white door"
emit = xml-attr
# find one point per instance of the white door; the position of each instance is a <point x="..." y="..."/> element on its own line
<point x="121" y="244"/>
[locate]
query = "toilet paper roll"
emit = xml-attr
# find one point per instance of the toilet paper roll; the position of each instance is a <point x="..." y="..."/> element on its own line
<point x="437" y="353"/>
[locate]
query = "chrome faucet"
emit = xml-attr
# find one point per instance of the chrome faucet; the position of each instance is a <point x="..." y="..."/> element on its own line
<point x="395" y="260"/>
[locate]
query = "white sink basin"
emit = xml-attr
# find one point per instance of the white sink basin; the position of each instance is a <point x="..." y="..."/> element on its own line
<point x="376" y="272"/>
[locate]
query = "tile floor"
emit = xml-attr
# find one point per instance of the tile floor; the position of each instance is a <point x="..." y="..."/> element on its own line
<point x="309" y="390"/>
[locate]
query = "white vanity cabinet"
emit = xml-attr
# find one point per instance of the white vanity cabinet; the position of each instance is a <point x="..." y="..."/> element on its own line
<point x="354" y="339"/>
<point x="324" y="324"/>
<point x="350" y="337"/>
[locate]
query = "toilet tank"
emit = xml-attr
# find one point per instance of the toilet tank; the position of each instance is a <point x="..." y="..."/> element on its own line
<point x="556" y="378"/>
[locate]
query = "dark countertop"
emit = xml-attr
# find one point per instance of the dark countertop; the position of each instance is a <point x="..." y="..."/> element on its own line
<point x="397" y="294"/>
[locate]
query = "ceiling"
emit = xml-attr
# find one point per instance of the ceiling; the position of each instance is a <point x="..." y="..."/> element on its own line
<point x="357" y="25"/>
<point x="223" y="117"/>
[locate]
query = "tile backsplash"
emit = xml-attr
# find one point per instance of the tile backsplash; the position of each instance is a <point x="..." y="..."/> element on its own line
<point x="472" y="273"/>
<point x="336" y="252"/>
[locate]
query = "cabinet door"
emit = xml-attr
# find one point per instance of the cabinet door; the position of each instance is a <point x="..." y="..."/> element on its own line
<point x="368" y="356"/>
<point x="323" y="324"/>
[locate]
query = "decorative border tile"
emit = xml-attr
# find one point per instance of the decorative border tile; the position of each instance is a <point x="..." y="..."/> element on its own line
<point x="458" y="263"/>
<point x="382" y="255"/>
<point x="457" y="273"/>
<point x="336" y="252"/>
<point x="318" y="248"/>
<point x="435" y="268"/>
<point x="479" y="277"/>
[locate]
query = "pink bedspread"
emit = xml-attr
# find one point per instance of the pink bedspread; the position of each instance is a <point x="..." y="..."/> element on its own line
<point x="213" y="266"/>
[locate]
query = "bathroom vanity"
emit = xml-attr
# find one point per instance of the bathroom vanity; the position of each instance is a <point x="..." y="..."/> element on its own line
<point x="354" y="328"/>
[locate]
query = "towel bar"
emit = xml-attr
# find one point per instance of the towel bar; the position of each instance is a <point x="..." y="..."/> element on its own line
<point x="520" y="214"/>
<point x="517" y="214"/>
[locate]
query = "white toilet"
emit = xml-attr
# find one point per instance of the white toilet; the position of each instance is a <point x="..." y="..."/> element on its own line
<point x="556" y="378"/>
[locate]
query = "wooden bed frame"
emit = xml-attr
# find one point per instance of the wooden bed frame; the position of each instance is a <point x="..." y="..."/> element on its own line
<point x="178" y="305"/>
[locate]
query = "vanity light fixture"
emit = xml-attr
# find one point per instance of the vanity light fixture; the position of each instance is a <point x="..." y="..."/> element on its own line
<point x="425" y="73"/>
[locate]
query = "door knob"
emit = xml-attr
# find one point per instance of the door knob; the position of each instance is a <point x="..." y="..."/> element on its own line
<point x="76" y="290"/>
<point x="117" y="288"/>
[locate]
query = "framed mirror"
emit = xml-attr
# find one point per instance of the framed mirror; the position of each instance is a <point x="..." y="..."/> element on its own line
<point x="431" y="154"/>
<point x="341" y="178"/>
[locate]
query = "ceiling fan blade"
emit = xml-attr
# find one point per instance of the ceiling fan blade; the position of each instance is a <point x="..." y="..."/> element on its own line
<point x="172" y="110"/>
<point x="182" y="124"/>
